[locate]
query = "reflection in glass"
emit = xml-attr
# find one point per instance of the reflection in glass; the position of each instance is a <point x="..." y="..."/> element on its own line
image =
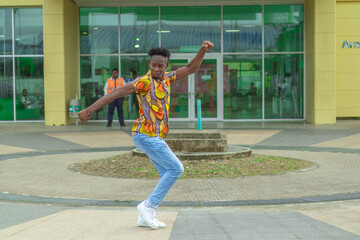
<point x="6" y="90"/>
<point x="242" y="87"/>
<point x="284" y="28"/>
<point x="94" y="72"/>
<point x="29" y="82"/>
<point x="131" y="68"/>
<point x="242" y="28"/>
<point x="5" y="31"/>
<point x="206" y="88"/>
<point x="99" y="30"/>
<point x="179" y="101"/>
<point x="284" y="76"/>
<point x="28" y="31"/>
<point x="139" y="29"/>
<point x="183" y="29"/>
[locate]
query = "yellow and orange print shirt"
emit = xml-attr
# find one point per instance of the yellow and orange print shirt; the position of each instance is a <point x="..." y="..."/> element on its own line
<point x="154" y="101"/>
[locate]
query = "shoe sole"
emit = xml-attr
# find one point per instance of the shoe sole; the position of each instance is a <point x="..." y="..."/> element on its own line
<point x="145" y="225"/>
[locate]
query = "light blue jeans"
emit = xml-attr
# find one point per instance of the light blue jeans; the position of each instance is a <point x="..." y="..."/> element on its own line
<point x="168" y="165"/>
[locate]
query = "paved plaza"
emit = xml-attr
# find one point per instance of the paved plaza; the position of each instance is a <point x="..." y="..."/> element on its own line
<point x="40" y="198"/>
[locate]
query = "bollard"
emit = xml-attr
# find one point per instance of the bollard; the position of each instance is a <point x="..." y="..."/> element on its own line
<point x="199" y="114"/>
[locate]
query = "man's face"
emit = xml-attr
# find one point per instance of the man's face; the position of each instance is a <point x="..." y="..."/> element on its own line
<point x="115" y="74"/>
<point x="158" y="65"/>
<point x="24" y="93"/>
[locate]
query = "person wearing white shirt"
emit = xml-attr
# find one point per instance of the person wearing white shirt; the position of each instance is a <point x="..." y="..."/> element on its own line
<point x="27" y="102"/>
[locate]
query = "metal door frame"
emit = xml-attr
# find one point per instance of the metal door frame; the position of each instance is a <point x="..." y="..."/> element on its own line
<point x="191" y="87"/>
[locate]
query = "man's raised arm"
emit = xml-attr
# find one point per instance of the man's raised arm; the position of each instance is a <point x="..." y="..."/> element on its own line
<point x="123" y="91"/>
<point x="196" y="62"/>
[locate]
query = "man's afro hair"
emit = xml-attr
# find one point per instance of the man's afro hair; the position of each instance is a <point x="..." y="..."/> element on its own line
<point x="159" y="51"/>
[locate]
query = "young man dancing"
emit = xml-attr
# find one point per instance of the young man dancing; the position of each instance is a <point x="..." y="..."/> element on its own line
<point x="151" y="128"/>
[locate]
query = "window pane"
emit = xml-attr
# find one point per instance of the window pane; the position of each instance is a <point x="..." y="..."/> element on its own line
<point x="95" y="71"/>
<point x="29" y="80"/>
<point x="6" y="90"/>
<point x="5" y="31"/>
<point x="132" y="67"/>
<point x="179" y="102"/>
<point x="28" y="31"/>
<point x="242" y="87"/>
<point x="183" y="29"/>
<point x="139" y="29"/>
<point x="284" y="28"/>
<point x="242" y="28"/>
<point x="99" y="30"/>
<point x="284" y="78"/>
<point x="206" y="88"/>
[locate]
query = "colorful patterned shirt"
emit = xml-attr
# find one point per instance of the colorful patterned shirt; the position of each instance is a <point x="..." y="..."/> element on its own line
<point x="154" y="101"/>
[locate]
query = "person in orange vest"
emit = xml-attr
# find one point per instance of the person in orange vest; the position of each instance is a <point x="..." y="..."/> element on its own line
<point x="111" y="84"/>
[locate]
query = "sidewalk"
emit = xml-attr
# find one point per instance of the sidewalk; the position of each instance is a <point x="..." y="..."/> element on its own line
<point x="34" y="162"/>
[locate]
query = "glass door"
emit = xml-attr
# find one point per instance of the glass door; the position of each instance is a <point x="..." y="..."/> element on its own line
<point x="206" y="86"/>
<point x="180" y="95"/>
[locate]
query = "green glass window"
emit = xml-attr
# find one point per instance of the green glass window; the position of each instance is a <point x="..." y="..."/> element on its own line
<point x="6" y="89"/>
<point x="183" y="29"/>
<point x="284" y="28"/>
<point x="283" y="82"/>
<point x="29" y="82"/>
<point x="5" y="31"/>
<point x="206" y="88"/>
<point x="179" y="102"/>
<point x="94" y="72"/>
<point x="242" y="87"/>
<point x="28" y="31"/>
<point x="99" y="30"/>
<point x="131" y="68"/>
<point x="139" y="29"/>
<point x="242" y="28"/>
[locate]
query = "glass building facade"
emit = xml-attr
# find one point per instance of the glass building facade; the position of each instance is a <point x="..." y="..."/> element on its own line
<point x="21" y="64"/>
<point x="254" y="72"/>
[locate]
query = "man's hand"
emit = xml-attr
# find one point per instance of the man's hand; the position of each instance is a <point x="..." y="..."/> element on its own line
<point x="195" y="63"/>
<point x="121" y="92"/>
<point x="207" y="45"/>
<point x="84" y="116"/>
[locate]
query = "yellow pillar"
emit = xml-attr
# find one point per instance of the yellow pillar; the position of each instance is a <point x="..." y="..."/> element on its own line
<point x="320" y="42"/>
<point x="60" y="59"/>
<point x="21" y="3"/>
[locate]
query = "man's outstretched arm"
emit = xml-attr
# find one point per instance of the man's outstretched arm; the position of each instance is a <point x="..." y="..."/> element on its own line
<point x="123" y="91"/>
<point x="196" y="62"/>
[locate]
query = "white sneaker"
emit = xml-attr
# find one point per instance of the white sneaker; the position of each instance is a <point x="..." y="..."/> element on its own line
<point x="141" y="222"/>
<point x="148" y="215"/>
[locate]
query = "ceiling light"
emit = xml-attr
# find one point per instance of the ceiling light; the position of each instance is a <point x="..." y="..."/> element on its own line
<point x="164" y="31"/>
<point x="232" y="30"/>
<point x="137" y="46"/>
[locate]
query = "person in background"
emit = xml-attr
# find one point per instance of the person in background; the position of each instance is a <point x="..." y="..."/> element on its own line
<point x="111" y="84"/>
<point x="27" y="102"/>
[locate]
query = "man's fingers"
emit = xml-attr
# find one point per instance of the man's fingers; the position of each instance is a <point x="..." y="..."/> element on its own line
<point x="82" y="116"/>
<point x="208" y="44"/>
